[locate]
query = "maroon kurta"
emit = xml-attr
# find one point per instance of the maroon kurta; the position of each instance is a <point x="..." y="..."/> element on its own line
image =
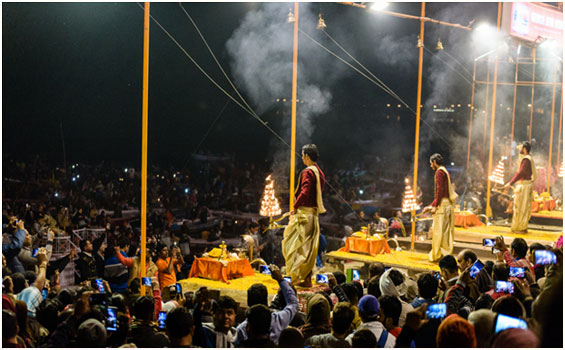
<point x="306" y="194"/>
<point x="524" y="173"/>
<point x="441" y="190"/>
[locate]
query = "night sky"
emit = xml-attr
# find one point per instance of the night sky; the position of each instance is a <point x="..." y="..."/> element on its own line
<point x="73" y="71"/>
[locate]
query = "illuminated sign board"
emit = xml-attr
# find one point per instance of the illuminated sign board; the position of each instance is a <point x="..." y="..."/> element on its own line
<point x="528" y="21"/>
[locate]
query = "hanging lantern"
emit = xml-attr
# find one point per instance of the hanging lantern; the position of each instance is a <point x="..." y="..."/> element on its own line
<point x="321" y="23"/>
<point x="409" y="201"/>
<point x="290" y="18"/>
<point x="497" y="175"/>
<point x="439" y="45"/>
<point x="270" y="204"/>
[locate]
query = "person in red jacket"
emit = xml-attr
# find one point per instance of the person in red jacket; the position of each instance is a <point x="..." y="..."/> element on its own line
<point x="442" y="209"/>
<point x="302" y="235"/>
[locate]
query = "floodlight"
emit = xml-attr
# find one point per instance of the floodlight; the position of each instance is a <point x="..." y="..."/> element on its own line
<point x="379" y="5"/>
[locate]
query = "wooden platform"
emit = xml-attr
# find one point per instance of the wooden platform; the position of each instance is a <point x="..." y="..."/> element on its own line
<point x="418" y="262"/>
<point x="477" y="233"/>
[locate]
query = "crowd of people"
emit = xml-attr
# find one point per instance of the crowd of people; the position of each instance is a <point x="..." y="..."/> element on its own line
<point x="111" y="307"/>
<point x="108" y="305"/>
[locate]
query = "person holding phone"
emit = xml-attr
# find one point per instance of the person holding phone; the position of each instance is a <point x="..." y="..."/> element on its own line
<point x="26" y="256"/>
<point x="166" y="267"/>
<point x="516" y="257"/>
<point x="144" y="333"/>
<point x="302" y="235"/>
<point x="10" y="250"/>
<point x="524" y="179"/>
<point x="442" y="209"/>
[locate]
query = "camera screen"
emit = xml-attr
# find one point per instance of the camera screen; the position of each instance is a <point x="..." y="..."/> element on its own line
<point x="288" y="279"/>
<point x="517" y="272"/>
<point x="264" y="269"/>
<point x="44" y="293"/>
<point x="100" y="285"/>
<point x="504" y="287"/>
<point x="475" y="269"/>
<point x="504" y="322"/>
<point x="179" y="289"/>
<point x="146" y="281"/>
<point x="161" y="321"/>
<point x="437" y="275"/>
<point x="355" y="275"/>
<point x="545" y="257"/>
<point x="321" y="278"/>
<point x="98" y="299"/>
<point x="436" y="310"/>
<point x="487" y="242"/>
<point x="112" y="319"/>
<point x="34" y="254"/>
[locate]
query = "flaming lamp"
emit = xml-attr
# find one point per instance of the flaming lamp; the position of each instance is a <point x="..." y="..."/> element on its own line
<point x="497" y="175"/>
<point x="409" y="202"/>
<point x="269" y="204"/>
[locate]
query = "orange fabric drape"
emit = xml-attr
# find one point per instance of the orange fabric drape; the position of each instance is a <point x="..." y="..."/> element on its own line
<point x="370" y="246"/>
<point x="467" y="219"/>
<point x="213" y="269"/>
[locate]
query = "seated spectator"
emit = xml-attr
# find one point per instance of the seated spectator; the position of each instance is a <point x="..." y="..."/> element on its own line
<point x="11" y="250"/>
<point x="166" y="263"/>
<point x="10" y="329"/>
<point x="453" y="287"/>
<point x="339" y="277"/>
<point x="116" y="273"/>
<point x="427" y="290"/>
<point x="180" y="328"/>
<point x="352" y="295"/>
<point x="291" y="337"/>
<point x="317" y="317"/>
<point x="516" y="257"/>
<point x="25" y="332"/>
<point x="392" y="284"/>
<point x="516" y="338"/>
<point x="91" y="334"/>
<point x="509" y="305"/>
<point x="258" y="327"/>
<point x="539" y="270"/>
<point x="257" y="295"/>
<point x="456" y="332"/>
<point x="221" y="333"/>
<point x="375" y="270"/>
<point x="369" y="312"/>
<point x="373" y="287"/>
<point x="143" y="333"/>
<point x="341" y="321"/>
<point x="483" y="322"/>
<point x="499" y="273"/>
<point x="389" y="313"/>
<point x="465" y="259"/>
<point x="364" y="338"/>
<point x="485" y="301"/>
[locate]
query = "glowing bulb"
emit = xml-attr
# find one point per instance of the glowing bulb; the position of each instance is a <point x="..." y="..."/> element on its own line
<point x="125" y="170"/>
<point x="379" y="5"/>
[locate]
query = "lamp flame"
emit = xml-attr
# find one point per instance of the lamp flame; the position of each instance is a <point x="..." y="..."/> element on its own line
<point x="269" y="203"/>
<point x="409" y="201"/>
<point x="497" y="175"/>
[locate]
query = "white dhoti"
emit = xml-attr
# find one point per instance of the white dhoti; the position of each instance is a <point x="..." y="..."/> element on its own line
<point x="522" y="206"/>
<point x="300" y="243"/>
<point x="443" y="227"/>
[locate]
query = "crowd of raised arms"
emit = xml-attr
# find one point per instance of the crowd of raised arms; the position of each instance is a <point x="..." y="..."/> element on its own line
<point x="515" y="300"/>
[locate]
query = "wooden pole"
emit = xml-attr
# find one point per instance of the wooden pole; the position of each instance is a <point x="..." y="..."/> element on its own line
<point x="417" y="136"/>
<point x="144" y="110"/>
<point x="471" y="114"/>
<point x="486" y="116"/>
<point x="549" y="167"/>
<point x="514" y="110"/>
<point x="532" y="102"/>
<point x="293" y="104"/>
<point x="559" y="133"/>
<point x="488" y="211"/>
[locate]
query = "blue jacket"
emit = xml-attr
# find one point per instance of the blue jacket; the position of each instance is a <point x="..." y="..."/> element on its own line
<point x="279" y="320"/>
<point x="11" y="250"/>
<point x="116" y="274"/>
